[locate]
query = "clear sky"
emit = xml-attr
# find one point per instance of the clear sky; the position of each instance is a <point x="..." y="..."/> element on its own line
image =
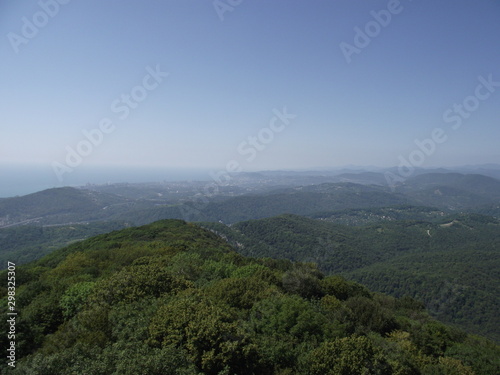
<point x="199" y="84"/>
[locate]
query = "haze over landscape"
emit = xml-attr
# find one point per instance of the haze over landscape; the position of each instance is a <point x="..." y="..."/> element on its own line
<point x="236" y="187"/>
<point x="353" y="83"/>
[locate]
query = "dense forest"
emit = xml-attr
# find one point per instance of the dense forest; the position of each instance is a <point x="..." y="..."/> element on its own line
<point x="449" y="262"/>
<point x="98" y="305"/>
<point x="173" y="298"/>
<point x="23" y="244"/>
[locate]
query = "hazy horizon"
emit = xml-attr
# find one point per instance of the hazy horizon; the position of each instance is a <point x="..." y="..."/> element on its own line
<point x="192" y="86"/>
<point x="21" y="180"/>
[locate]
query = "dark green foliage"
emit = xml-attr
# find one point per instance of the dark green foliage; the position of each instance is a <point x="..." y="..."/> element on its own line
<point x="369" y="316"/>
<point x="449" y="263"/>
<point x="304" y="280"/>
<point x="349" y="355"/>
<point x="288" y="316"/>
<point x="241" y="292"/>
<point x="26" y="243"/>
<point x="300" y="201"/>
<point x="136" y="282"/>
<point x="343" y="289"/>
<point x="172" y="298"/>
<point x="75" y="297"/>
<point x="209" y="332"/>
<point x="364" y="216"/>
<point x="477" y="353"/>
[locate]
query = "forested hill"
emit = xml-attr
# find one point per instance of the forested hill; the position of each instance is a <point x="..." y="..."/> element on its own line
<point x="138" y="205"/>
<point x="449" y="262"/>
<point x="477" y="184"/>
<point x="452" y="191"/>
<point x="172" y="298"/>
<point x="59" y="205"/>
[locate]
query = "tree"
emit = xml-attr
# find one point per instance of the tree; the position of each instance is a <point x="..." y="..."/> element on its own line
<point x="348" y="356"/>
<point x="342" y="289"/>
<point x="74" y="298"/>
<point x="208" y="331"/>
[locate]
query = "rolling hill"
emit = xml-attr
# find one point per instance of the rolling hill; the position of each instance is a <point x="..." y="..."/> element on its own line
<point x="173" y="298"/>
<point x="298" y="200"/>
<point x="452" y="191"/>
<point x="366" y="232"/>
<point x="457" y="256"/>
<point x="445" y="191"/>
<point x="129" y="204"/>
<point x="56" y="206"/>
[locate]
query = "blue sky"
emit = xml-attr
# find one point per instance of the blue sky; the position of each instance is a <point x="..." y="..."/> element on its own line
<point x="231" y="66"/>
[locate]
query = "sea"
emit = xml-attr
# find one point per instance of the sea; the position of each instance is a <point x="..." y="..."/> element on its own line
<point x="19" y="180"/>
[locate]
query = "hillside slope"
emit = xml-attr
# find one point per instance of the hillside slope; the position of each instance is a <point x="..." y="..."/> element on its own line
<point x="172" y="298"/>
<point x="452" y="191"/>
<point x="59" y="205"/>
<point x="451" y="264"/>
<point x="299" y="200"/>
<point x="25" y="243"/>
